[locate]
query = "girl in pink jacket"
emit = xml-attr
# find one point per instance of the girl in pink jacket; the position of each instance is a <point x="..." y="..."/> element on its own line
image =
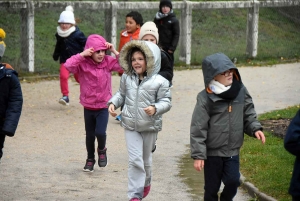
<point x="94" y="69"/>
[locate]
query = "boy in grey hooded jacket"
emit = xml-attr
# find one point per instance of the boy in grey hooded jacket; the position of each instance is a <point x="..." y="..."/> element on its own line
<point x="223" y="113"/>
<point x="146" y="96"/>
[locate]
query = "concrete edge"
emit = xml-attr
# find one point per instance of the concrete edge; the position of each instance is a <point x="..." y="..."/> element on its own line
<point x="253" y="191"/>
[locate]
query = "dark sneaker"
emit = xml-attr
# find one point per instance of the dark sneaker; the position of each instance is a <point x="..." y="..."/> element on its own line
<point x="64" y="100"/>
<point x="102" y="160"/>
<point x="89" y="165"/>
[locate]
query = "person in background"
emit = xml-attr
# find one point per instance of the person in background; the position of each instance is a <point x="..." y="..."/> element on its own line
<point x="94" y="69"/>
<point x="292" y="145"/>
<point x="223" y="113"/>
<point x="11" y="98"/>
<point x="149" y="33"/>
<point x="69" y="41"/>
<point x="168" y="28"/>
<point x="146" y="96"/>
<point x="133" y="23"/>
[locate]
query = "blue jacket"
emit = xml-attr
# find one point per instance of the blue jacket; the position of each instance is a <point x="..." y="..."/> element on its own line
<point x="11" y="101"/>
<point x="292" y="145"/>
<point x="68" y="46"/>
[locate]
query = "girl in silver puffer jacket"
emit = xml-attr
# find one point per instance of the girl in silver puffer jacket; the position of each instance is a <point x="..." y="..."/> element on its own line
<point x="146" y="96"/>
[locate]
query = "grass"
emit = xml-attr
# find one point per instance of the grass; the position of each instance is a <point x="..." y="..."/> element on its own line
<point x="221" y="30"/>
<point x="269" y="167"/>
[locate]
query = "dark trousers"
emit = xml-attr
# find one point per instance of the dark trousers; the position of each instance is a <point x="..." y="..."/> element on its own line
<point x="2" y="139"/>
<point x="221" y="169"/>
<point x="95" y="127"/>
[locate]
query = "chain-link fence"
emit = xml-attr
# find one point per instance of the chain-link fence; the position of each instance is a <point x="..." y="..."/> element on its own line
<point x="212" y="30"/>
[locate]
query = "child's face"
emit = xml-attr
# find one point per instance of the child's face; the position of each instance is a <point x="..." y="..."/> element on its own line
<point x="165" y="9"/>
<point x="150" y="38"/>
<point x="65" y="26"/>
<point x="98" y="56"/>
<point x="138" y="63"/>
<point x="131" y="25"/>
<point x="225" y="78"/>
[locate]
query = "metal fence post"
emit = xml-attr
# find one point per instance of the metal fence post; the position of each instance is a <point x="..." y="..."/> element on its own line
<point x="27" y="37"/>
<point x="110" y="27"/>
<point x="252" y="30"/>
<point x="186" y="33"/>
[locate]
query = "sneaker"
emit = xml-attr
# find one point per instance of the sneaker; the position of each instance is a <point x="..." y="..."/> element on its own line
<point x="153" y="150"/>
<point x="118" y="118"/>
<point x="135" y="199"/>
<point x="64" y="100"/>
<point x="89" y="165"/>
<point x="146" y="190"/>
<point x="102" y="160"/>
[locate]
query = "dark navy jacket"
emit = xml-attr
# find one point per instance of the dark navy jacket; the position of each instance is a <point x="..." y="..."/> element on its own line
<point x="169" y="31"/>
<point x="292" y="145"/>
<point x="68" y="46"/>
<point x="11" y="101"/>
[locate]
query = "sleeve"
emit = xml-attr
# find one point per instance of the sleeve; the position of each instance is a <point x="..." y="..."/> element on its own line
<point x="119" y="98"/>
<point x="198" y="130"/>
<point x="166" y="69"/>
<point x="14" y="108"/>
<point x="251" y="124"/>
<point x="292" y="138"/>
<point x="176" y="34"/>
<point x="81" y="39"/>
<point x="73" y="63"/>
<point x="163" y="99"/>
<point x="114" y="65"/>
<point x="57" y="49"/>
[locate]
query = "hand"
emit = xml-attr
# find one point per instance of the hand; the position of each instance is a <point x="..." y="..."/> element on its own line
<point x="150" y="110"/>
<point x="87" y="52"/>
<point x="260" y="135"/>
<point x="120" y="72"/>
<point x="111" y="48"/>
<point x="111" y="110"/>
<point x="198" y="164"/>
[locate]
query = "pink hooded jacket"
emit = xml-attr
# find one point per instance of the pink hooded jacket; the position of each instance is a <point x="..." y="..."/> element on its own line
<point x="94" y="78"/>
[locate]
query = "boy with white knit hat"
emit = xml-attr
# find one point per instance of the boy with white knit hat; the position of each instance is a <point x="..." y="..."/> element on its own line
<point x="69" y="41"/>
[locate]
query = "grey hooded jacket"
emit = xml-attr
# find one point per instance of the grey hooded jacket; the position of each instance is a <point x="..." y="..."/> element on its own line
<point x="153" y="90"/>
<point x="218" y="125"/>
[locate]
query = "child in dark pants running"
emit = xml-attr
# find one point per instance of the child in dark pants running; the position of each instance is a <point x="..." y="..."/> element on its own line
<point x="69" y="41"/>
<point x="223" y="113"/>
<point x="94" y="69"/>
<point x="292" y="145"/>
<point x="146" y="96"/>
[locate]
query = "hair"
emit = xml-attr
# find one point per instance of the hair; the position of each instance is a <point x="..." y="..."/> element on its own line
<point x="136" y="16"/>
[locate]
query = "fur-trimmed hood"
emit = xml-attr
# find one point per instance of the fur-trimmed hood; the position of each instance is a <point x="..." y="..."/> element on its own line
<point x="152" y="52"/>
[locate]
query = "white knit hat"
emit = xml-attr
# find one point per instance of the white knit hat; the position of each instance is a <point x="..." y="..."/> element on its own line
<point x="67" y="16"/>
<point x="149" y="28"/>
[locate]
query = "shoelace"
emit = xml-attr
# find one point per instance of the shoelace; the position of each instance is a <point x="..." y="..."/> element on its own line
<point x="90" y="163"/>
<point x="102" y="156"/>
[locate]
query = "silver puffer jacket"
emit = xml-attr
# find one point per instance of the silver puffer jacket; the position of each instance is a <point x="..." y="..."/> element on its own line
<point x="153" y="90"/>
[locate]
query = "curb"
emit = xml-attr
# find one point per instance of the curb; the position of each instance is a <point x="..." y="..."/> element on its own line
<point x="253" y="191"/>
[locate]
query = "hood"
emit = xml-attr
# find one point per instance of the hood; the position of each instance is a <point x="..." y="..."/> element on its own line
<point x="95" y="41"/>
<point x="152" y="52"/>
<point x="215" y="64"/>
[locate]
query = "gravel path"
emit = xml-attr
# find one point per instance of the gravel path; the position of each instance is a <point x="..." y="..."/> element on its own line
<point x="44" y="160"/>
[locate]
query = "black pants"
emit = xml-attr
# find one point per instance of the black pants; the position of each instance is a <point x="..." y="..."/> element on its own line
<point x="95" y="127"/>
<point x="221" y="169"/>
<point x="2" y="139"/>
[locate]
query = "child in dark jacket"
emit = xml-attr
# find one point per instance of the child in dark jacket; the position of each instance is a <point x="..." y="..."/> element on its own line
<point x="292" y="145"/>
<point x="223" y="113"/>
<point x="69" y="41"/>
<point x="11" y="99"/>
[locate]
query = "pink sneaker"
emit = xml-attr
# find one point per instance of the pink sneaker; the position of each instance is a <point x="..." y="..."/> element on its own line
<point x="135" y="199"/>
<point x="146" y="190"/>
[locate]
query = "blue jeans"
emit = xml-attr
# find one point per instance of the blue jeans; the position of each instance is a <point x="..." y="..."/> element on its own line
<point x="95" y="127"/>
<point x="221" y="169"/>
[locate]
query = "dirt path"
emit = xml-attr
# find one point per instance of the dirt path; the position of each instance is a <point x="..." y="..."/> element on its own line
<point x="44" y="160"/>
